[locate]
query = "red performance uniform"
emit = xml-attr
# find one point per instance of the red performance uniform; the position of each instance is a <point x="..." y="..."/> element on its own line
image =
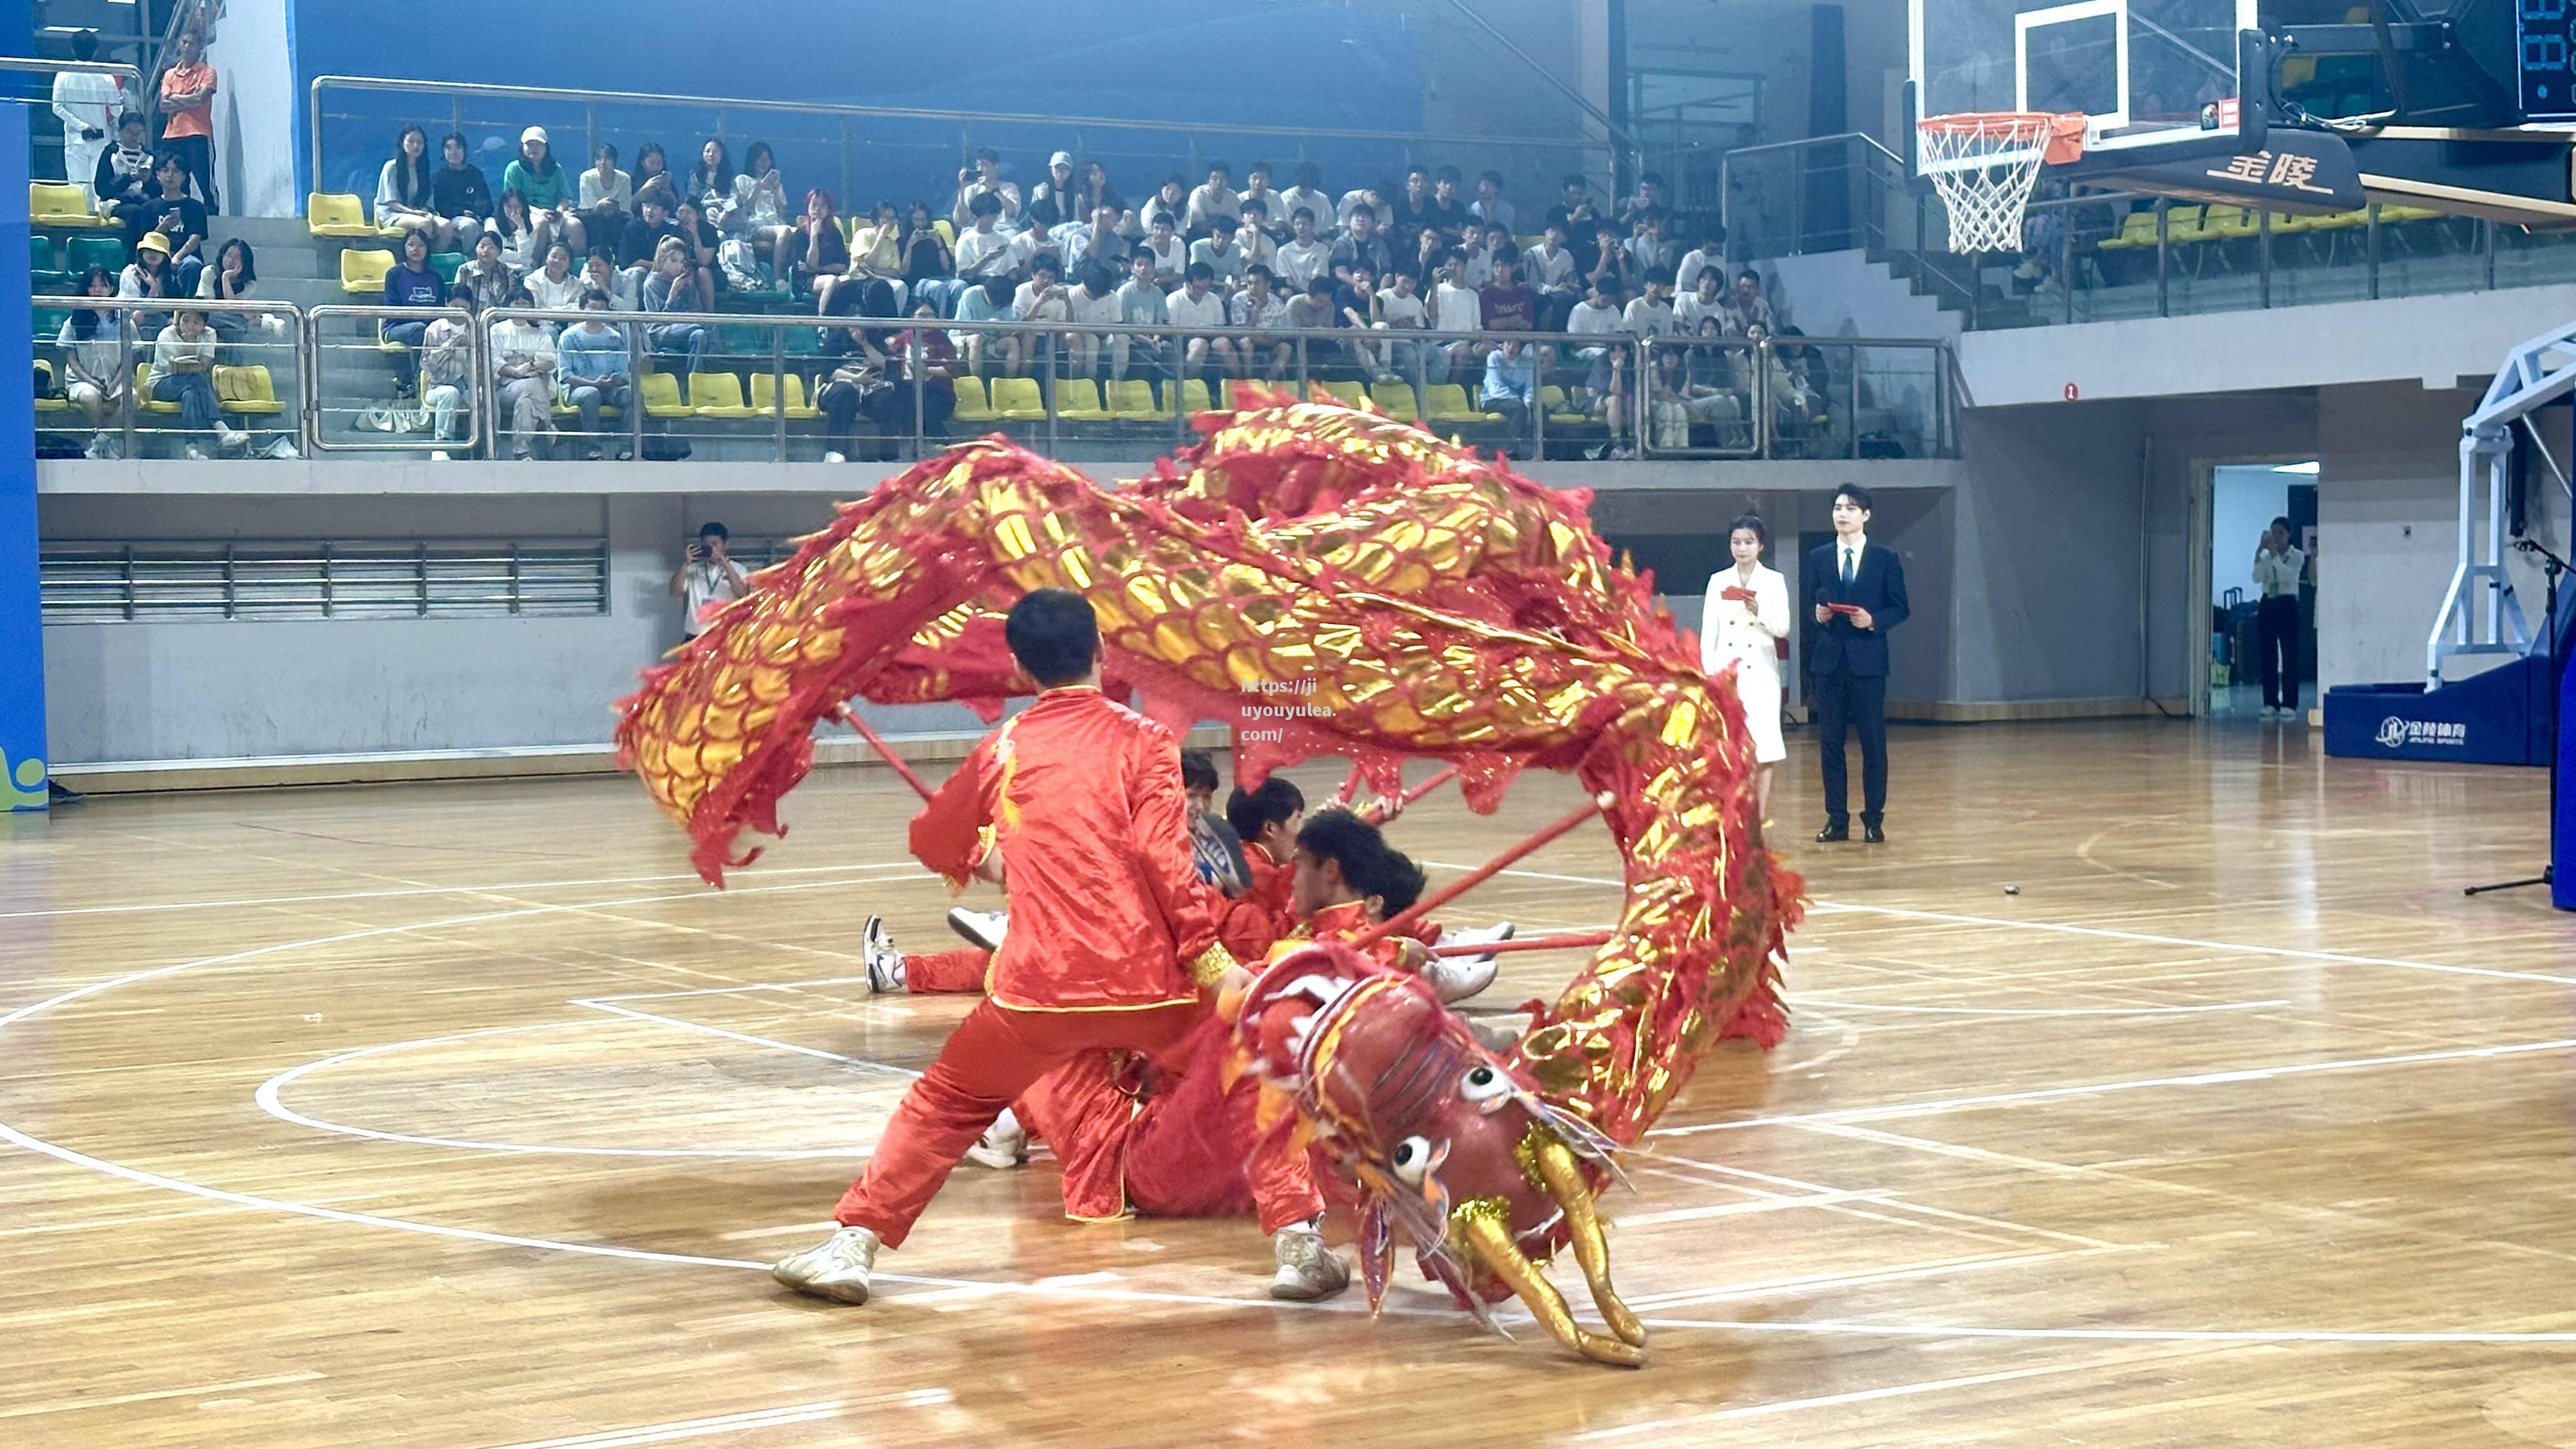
<point x="1262" y="914"/>
<point x="1111" y="934"/>
<point x="942" y="972"/>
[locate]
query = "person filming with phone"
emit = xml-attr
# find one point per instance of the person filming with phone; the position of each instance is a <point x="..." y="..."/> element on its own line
<point x="709" y="577"/>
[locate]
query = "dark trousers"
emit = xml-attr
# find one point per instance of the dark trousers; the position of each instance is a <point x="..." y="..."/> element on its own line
<point x="1847" y="701"/>
<point x="2276" y="629"/>
<point x="197" y="155"/>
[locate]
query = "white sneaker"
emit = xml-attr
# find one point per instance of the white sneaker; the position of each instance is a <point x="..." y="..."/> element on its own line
<point x="193" y="453"/>
<point x="884" y="962"/>
<point x="1308" y="1271"/>
<point x="981" y="928"/>
<point x="1458" y="977"/>
<point x="1003" y="1146"/>
<point x="230" y="438"/>
<point x="283" y="450"/>
<point x="839" y="1268"/>
<point x="834" y="457"/>
<point x="438" y="455"/>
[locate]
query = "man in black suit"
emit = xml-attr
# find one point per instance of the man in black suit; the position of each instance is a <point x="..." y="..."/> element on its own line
<point x="1857" y="591"/>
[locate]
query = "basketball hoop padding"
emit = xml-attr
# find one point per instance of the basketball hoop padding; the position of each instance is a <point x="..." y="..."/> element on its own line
<point x="1984" y="164"/>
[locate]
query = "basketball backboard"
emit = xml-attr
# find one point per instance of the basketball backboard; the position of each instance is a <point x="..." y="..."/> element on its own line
<point x="2147" y="74"/>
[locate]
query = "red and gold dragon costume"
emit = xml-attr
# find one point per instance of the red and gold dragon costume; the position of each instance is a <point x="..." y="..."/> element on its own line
<point x="1413" y="599"/>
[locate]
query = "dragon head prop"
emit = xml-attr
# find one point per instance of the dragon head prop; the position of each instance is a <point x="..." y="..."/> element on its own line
<point x="1451" y="1145"/>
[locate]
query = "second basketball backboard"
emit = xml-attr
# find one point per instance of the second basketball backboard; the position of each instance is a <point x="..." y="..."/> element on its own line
<point x="2147" y="74"/>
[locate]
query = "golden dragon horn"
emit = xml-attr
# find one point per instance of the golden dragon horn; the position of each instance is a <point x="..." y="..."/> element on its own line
<point x="1480" y="1227"/>
<point x="1564" y="1181"/>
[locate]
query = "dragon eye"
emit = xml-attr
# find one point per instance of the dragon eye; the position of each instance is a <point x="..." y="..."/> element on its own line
<point x="1412" y="1159"/>
<point x="1483" y="1083"/>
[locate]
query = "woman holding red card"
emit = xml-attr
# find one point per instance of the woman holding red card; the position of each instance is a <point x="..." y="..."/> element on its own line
<point x="1746" y="623"/>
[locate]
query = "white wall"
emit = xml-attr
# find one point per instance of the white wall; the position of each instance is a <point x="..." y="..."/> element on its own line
<point x="1845" y="294"/>
<point x="2242" y="503"/>
<point x="255" y="107"/>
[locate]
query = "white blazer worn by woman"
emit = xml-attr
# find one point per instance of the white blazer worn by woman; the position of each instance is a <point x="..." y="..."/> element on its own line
<point x="1748" y="635"/>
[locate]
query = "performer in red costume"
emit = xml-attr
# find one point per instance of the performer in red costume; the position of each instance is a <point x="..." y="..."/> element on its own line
<point x="1079" y="802"/>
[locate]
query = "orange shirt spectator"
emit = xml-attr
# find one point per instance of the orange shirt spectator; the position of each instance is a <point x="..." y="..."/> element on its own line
<point x="188" y="112"/>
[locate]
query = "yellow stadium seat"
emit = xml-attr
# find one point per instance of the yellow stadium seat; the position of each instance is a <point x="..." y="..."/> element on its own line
<point x="45" y="371"/>
<point x="1077" y="399"/>
<point x="947" y="230"/>
<point x="1395" y="399"/>
<point x="2339" y="220"/>
<point x="1133" y="401"/>
<point x="1017" y="400"/>
<point x="362" y="273"/>
<point x="660" y="392"/>
<point x="2390" y="215"/>
<point x="143" y="391"/>
<point x="1195" y="398"/>
<point x="567" y="410"/>
<point x="247" y="390"/>
<point x="2186" y="223"/>
<point x="2228" y="222"/>
<point x="1559" y="407"/>
<point x="1448" y="404"/>
<point x="765" y="399"/>
<point x="717" y="395"/>
<point x="58" y="203"/>
<point x="971" y="407"/>
<point x="2138" y="229"/>
<point x="338" y="213"/>
<point x="1349" y="394"/>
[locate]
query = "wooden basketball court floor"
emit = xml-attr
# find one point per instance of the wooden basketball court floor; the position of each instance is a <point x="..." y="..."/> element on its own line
<point x="462" y="1115"/>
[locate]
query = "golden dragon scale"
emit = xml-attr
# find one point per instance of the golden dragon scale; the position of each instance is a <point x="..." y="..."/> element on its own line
<point x="1418" y="600"/>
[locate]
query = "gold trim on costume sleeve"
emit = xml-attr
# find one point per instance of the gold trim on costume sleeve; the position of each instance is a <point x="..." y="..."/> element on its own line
<point x="1210" y="965"/>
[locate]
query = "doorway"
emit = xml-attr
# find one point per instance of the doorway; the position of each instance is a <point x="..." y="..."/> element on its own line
<point x="2244" y="500"/>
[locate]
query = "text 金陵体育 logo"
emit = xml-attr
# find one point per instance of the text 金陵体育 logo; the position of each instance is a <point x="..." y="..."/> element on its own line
<point x="2395" y="733"/>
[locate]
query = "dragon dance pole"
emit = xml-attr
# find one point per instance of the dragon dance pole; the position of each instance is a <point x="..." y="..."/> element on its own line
<point x="1434" y="783"/>
<point x="1581" y="940"/>
<point x="850" y="717"/>
<point x="1350" y="785"/>
<point x="1476" y="877"/>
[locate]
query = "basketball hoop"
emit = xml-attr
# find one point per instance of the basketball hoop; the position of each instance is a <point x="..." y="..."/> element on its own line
<point x="1984" y="163"/>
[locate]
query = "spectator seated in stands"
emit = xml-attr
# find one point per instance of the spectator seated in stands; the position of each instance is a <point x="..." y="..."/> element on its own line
<point x="447" y="370"/>
<point x="1606" y="378"/>
<point x="639" y="238"/>
<point x="1306" y="255"/>
<point x="1704" y="300"/>
<point x="1140" y="303"/>
<point x="1091" y="301"/>
<point x="1511" y="388"/>
<point x="1398" y="308"/>
<point x="873" y="286"/>
<point x="523" y="373"/>
<point x="1092" y="243"/>
<point x="1747" y="308"/>
<point x="1361" y="247"/>
<point x="1430" y="253"/>
<point x="1489" y="208"/>
<point x="1458" y="307"/>
<point x="1261" y="313"/>
<point x="624" y="285"/>
<point x="1447" y="212"/>
<point x="1173" y="202"/>
<point x="411" y="283"/>
<point x="674" y="286"/>
<point x="1312" y="310"/>
<point x="854" y="371"/>
<point x="1051" y="202"/>
<point x="183" y="363"/>
<point x="234" y="277"/>
<point x="123" y="178"/>
<point x="593" y="368"/>
<point x="813" y="257"/>
<point x="459" y="193"/>
<point x="535" y="174"/>
<point x="1214" y="199"/>
<point x="1376" y="199"/>
<point x="1306" y="193"/>
<point x="1170" y="254"/>
<point x="1707" y="388"/>
<point x="1041" y="300"/>
<point x="94" y="359"/>
<point x="1510" y="306"/>
<point x="930" y="266"/>
<point x="1651" y="257"/>
<point x="523" y="239"/>
<point x="1481" y="246"/>
<point x="1199" y="304"/>
<point x="180" y="221"/>
<point x="983" y="248"/>
<point x="1651" y="314"/>
<point x="149" y="275"/>
<point x="1252" y="235"/>
<point x="989" y="301"/>
<point x="1256" y="188"/>
<point x="710" y="182"/>
<point x="1412" y="210"/>
<point x="1355" y="309"/>
<point x="689" y="220"/>
<point x="486" y="275"/>
<point x="1218" y="252"/>
<point x="1549" y="270"/>
<point x="756" y="212"/>
<point x="1611" y="261"/>
<point x="405" y="189"/>
<point x="1648" y="201"/>
<point x="1708" y="256"/>
<point x="984" y="178"/>
<point x="652" y="165"/>
<point x="556" y="286"/>
<point x="1094" y="192"/>
<point x="607" y="195"/>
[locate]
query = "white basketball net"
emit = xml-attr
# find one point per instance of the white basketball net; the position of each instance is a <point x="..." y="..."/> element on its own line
<point x="1983" y="167"/>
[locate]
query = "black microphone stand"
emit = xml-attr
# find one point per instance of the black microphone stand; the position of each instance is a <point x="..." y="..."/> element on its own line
<point x="2551" y="566"/>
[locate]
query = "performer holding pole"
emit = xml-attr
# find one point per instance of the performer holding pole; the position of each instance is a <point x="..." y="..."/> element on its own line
<point x="1078" y="802"/>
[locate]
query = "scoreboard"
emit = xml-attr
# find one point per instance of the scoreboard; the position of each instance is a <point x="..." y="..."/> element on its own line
<point x="2546" y="32"/>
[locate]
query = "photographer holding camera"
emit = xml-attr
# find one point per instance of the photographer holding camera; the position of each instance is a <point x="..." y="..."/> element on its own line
<point x="709" y="577"/>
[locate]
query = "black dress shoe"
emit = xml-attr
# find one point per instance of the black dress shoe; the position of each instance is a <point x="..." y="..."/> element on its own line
<point x="1833" y="831"/>
<point x="1873" y="834"/>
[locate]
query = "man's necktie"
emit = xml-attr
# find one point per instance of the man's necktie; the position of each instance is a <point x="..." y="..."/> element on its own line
<point x="1847" y="568"/>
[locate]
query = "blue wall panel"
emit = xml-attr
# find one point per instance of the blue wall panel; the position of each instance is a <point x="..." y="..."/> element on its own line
<point x="22" y="660"/>
<point x="1246" y="62"/>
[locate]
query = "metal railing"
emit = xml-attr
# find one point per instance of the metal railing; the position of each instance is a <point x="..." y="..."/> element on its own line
<point x="782" y="388"/>
<point x="252" y="341"/>
<point x="922" y="144"/>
